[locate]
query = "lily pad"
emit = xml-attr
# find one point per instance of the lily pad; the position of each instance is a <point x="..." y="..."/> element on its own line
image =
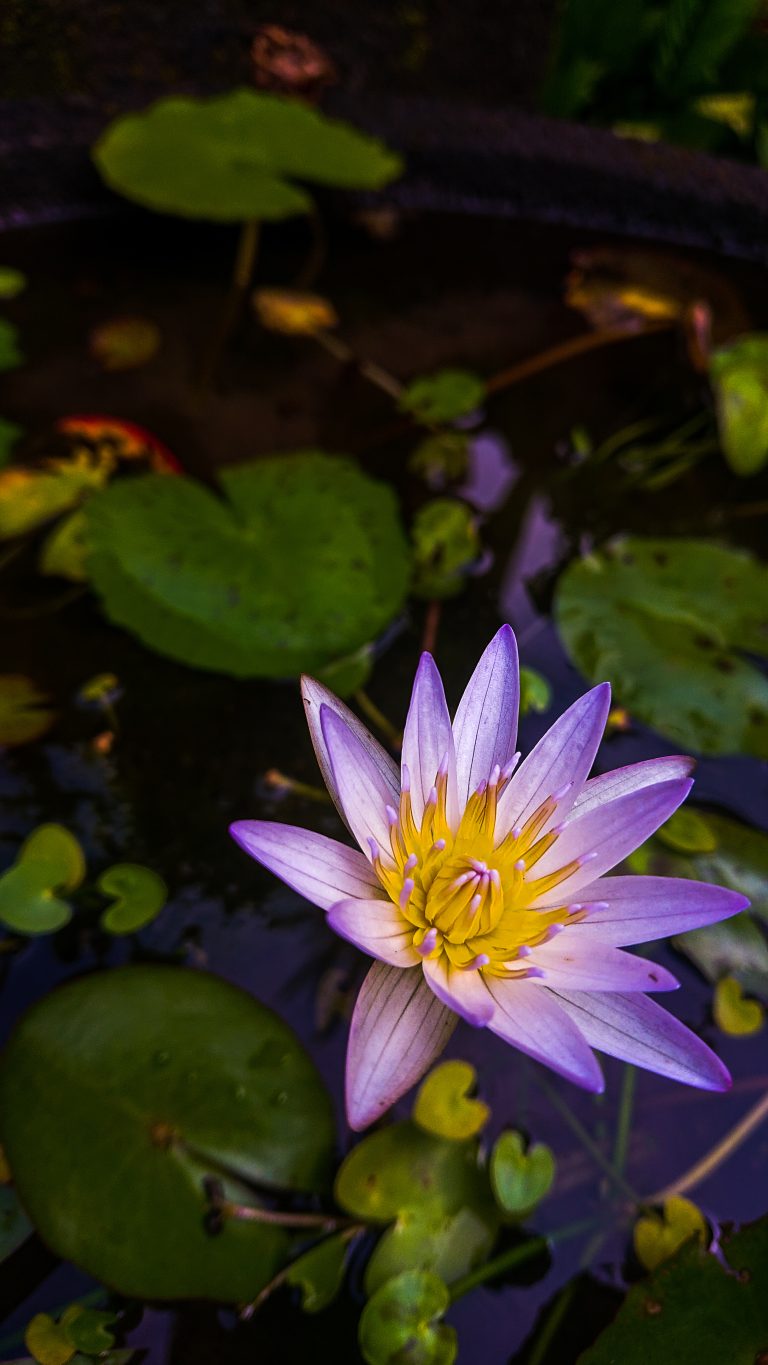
<point x="302" y="564"/>
<point x="446" y="545"/>
<point x="49" y="861"/>
<point x="120" y="1091"/>
<point x="444" y="1104"/>
<point x="521" y="1176"/>
<point x="434" y="1192"/>
<point x="657" y="1236"/>
<point x="319" y="1272"/>
<point x="733" y="1014"/>
<point x="669" y="623"/>
<point x="49" y="1341"/>
<point x="31" y="497"/>
<point x="12" y="282"/>
<point x="139" y="896"/>
<point x="443" y="397"/>
<point x="739" y="377"/>
<point x="403" y="1322"/>
<point x="64" y="552"/>
<point x="535" y="692"/>
<point x="24" y="711"/>
<point x="235" y="157"/>
<point x="695" y="1309"/>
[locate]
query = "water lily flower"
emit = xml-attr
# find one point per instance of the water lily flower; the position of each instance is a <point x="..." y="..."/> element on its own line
<point x="480" y="886"/>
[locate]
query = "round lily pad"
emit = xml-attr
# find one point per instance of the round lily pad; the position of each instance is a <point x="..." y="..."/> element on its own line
<point x="670" y="623"/>
<point x="403" y="1322"/>
<point x="305" y="562"/>
<point x="120" y="1091"/>
<point x="234" y="157"/>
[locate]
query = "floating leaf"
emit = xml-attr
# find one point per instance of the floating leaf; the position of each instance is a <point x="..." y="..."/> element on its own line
<point x="445" y="547"/>
<point x="423" y="1184"/>
<point x="521" y="1177"/>
<point x="120" y="1091"/>
<point x="12" y="282"/>
<point x="667" y="622"/>
<point x="10" y="354"/>
<point x="233" y="157"/>
<point x="24" y="711"/>
<point x="139" y="897"/>
<point x="444" y="1104"/>
<point x="31" y="497"/>
<point x="64" y="553"/>
<point x="443" y="397"/>
<point x="402" y="1323"/>
<point x="15" y="1227"/>
<point x="10" y="432"/>
<point x="50" y="860"/>
<point x="440" y="458"/>
<point x="88" y="1329"/>
<point x="657" y="1236"/>
<point x="49" y="1341"/>
<point x="535" y="692"/>
<point x="688" y="832"/>
<point x="733" y="1014"/>
<point x="319" y="1272"/>
<point x="739" y="377"/>
<point x="293" y="312"/>
<point x="304" y="563"/>
<point x="695" y="1309"/>
<point x="124" y="343"/>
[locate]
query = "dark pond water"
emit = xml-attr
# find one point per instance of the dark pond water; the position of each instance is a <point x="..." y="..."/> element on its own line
<point x="193" y="748"/>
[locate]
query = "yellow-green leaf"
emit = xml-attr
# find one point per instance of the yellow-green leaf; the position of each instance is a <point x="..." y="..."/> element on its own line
<point x="658" y="1235"/>
<point x="733" y="1014"/>
<point x="444" y="1104"/>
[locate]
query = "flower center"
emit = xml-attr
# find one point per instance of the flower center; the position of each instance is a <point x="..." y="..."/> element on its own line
<point x="463" y="894"/>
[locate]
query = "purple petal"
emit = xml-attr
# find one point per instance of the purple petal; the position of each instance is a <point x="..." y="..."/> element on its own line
<point x="607" y="786"/>
<point x="530" y="1018"/>
<point x="485" y="724"/>
<point x="378" y="928"/>
<point x="321" y="869"/>
<point x="428" y="739"/>
<point x="575" y="965"/>
<point x="398" y="1029"/>
<point x="315" y="696"/>
<point x="463" y="992"/>
<point x="601" y="838"/>
<point x="562" y="758"/>
<point x="639" y="909"/>
<point x="363" y="792"/>
<point x="638" y="1030"/>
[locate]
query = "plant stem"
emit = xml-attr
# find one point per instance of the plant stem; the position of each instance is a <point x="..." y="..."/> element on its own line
<point x="242" y="275"/>
<point x="624" y="1119"/>
<point x="431" y="625"/>
<point x="283" y="783"/>
<point x="508" y="1260"/>
<point x="383" y="724"/>
<point x="551" y="1323"/>
<point x="315" y="258"/>
<point x="249" y="1213"/>
<point x="375" y="374"/>
<point x="566" y="350"/>
<point x="724" y="1149"/>
<point x="587" y="1141"/>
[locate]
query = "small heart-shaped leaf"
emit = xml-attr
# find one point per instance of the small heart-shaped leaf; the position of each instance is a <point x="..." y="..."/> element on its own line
<point x="319" y="1273"/>
<point x="520" y="1178"/>
<point x="444" y="1106"/>
<point x="50" y="860"/>
<point x="88" y="1329"/>
<point x="658" y="1235"/>
<point x="402" y="1322"/>
<point x="444" y="396"/>
<point x="733" y="1014"/>
<point x="48" y="1342"/>
<point x="139" y="895"/>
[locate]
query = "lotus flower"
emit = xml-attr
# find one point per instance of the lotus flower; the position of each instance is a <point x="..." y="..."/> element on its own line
<point x="479" y="886"/>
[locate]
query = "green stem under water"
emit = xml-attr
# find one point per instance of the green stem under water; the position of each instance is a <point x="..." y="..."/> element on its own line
<point x="516" y="1256"/>
<point x="587" y="1141"/>
<point x="382" y="723"/>
<point x="551" y="1323"/>
<point x="242" y="276"/>
<point x="624" y="1120"/>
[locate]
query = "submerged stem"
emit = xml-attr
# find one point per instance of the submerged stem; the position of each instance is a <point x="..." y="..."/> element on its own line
<point x="508" y="1260"/>
<point x="624" y="1119"/>
<point x="551" y="1323"/>
<point x="242" y="275"/>
<point x="566" y="350"/>
<point x="383" y="724"/>
<point x="587" y="1141"/>
<point x="722" y="1150"/>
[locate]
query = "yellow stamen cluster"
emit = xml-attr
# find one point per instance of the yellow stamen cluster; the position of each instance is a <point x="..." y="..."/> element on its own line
<point x="464" y="895"/>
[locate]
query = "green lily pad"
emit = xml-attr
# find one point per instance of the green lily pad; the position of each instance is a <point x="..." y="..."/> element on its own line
<point x="402" y="1323"/>
<point x="234" y="157"/>
<point x="739" y="376"/>
<point x="692" y="1308"/>
<point x="88" y="1328"/>
<point x="303" y="564"/>
<point x="444" y="1104"/>
<point x="120" y="1091"/>
<point x="443" y="397"/>
<point x="445" y="547"/>
<point x="50" y="860"/>
<point x="535" y="692"/>
<point x="521" y="1176"/>
<point x="64" y="551"/>
<point x="319" y="1272"/>
<point x="441" y="457"/>
<point x="421" y="1184"/>
<point x="667" y="622"/>
<point x="24" y="711"/>
<point x="688" y="832"/>
<point x="10" y="354"/>
<point x="139" y="896"/>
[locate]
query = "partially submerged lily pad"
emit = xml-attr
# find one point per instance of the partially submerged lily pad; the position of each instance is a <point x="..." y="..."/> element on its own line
<point x="445" y="1104"/>
<point x="121" y="1090"/>
<point x="446" y="546"/>
<point x="319" y="1272"/>
<point x="302" y="564"/>
<point x="25" y="713"/>
<point x="670" y="622"/>
<point x="138" y="897"/>
<point x="443" y="397"/>
<point x="403" y="1323"/>
<point x="235" y="157"/>
<point x="739" y="376"/>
